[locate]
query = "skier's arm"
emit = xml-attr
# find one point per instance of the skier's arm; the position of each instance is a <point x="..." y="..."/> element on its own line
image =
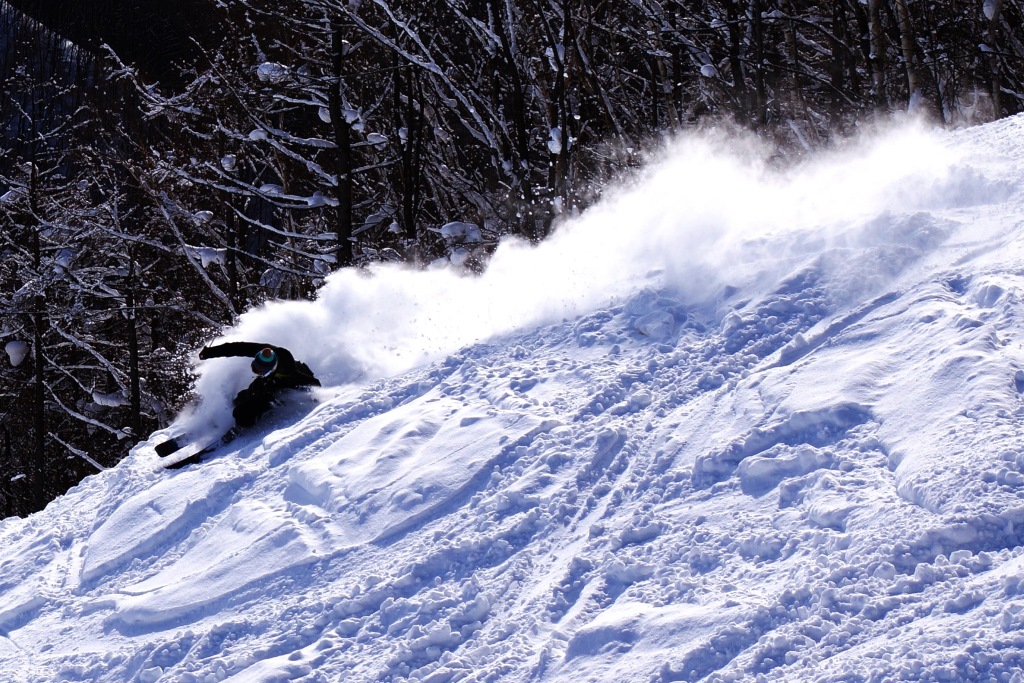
<point x="230" y="349"/>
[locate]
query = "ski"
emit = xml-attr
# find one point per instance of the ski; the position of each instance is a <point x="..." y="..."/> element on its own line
<point x="169" y="447"/>
<point x="183" y="450"/>
<point x="187" y="449"/>
<point x="188" y="455"/>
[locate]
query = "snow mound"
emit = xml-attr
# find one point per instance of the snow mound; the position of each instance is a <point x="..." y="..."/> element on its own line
<point x="704" y="440"/>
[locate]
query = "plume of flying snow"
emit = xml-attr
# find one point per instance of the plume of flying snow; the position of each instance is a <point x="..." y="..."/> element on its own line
<point x="705" y="214"/>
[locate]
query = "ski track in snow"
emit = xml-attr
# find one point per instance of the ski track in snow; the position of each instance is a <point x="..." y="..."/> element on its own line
<point x="820" y="479"/>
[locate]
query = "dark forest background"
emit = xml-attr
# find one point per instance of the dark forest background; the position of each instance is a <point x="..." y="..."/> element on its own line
<point x="166" y="166"/>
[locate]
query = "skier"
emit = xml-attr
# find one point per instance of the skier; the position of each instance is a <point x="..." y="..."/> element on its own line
<point x="276" y="370"/>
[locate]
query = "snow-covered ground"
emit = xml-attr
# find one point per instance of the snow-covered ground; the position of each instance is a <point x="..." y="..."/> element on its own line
<point x="731" y="424"/>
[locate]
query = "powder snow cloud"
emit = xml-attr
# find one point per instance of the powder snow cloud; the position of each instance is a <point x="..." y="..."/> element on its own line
<point x="706" y="213"/>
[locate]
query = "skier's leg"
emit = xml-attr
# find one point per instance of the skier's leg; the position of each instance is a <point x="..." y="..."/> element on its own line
<point x="250" y="406"/>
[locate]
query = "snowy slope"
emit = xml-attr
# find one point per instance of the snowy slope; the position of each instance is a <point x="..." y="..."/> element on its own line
<point x="731" y="423"/>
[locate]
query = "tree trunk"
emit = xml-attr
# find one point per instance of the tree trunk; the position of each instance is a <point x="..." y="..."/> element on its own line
<point x="558" y="172"/>
<point x="993" y="8"/>
<point x="792" y="51"/>
<point x="517" y="107"/>
<point x="907" y="47"/>
<point x="343" y="159"/>
<point x="877" y="57"/>
<point x="39" y="406"/>
<point x="7" y="493"/>
<point x="757" y="45"/>
<point x="134" y="381"/>
<point x="739" y="79"/>
<point x="410" y="169"/>
<point x="837" y="63"/>
<point x="39" y="366"/>
<point x="234" y="291"/>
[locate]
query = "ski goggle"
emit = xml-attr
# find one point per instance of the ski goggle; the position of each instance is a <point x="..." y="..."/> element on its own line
<point x="265" y="362"/>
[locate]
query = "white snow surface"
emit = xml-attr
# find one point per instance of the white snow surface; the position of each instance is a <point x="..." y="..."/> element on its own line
<point x="733" y="423"/>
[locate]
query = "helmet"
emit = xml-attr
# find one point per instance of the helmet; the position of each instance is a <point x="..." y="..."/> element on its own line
<point x="265" y="362"/>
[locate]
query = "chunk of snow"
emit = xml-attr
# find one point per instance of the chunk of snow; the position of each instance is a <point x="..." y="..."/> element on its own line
<point x="113" y="400"/>
<point x="372" y="221"/>
<point x="17" y="351"/>
<point x="272" y="72"/>
<point x="202" y="216"/>
<point x="460" y="232"/>
<point x="228" y="162"/>
<point x="555" y="141"/>
<point x="559" y="51"/>
<point x="11" y="195"/>
<point x="657" y="325"/>
<point x="208" y="255"/>
<point x="151" y="675"/>
<point x="708" y="71"/>
<point x="64" y="259"/>
<point x="319" y="199"/>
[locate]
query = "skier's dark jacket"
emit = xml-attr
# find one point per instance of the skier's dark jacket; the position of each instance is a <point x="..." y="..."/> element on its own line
<point x="289" y="373"/>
